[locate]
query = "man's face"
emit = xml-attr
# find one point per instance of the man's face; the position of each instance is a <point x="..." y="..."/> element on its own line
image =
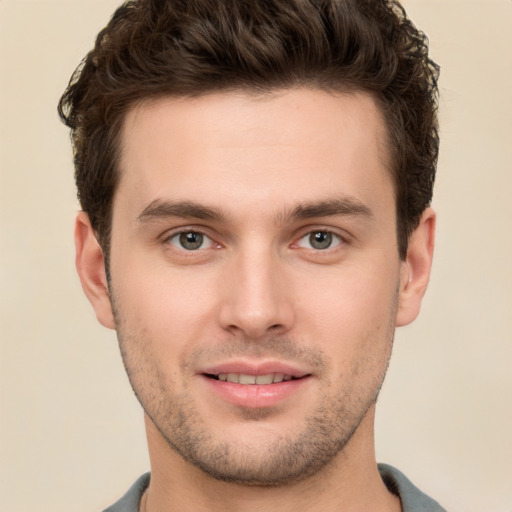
<point x="255" y="276"/>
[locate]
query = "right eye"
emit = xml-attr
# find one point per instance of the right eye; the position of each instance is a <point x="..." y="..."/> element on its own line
<point x="320" y="240"/>
<point x="190" y="241"/>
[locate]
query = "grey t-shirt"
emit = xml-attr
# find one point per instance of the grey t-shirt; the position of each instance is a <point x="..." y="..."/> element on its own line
<point x="413" y="500"/>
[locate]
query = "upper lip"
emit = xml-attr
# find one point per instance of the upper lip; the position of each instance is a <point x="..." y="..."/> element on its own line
<point x="255" y="368"/>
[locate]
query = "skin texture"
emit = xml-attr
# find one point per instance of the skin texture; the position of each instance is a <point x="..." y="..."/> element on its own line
<point x="256" y="176"/>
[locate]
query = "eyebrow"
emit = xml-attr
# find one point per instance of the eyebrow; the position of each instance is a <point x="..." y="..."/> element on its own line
<point x="345" y="206"/>
<point x="160" y="209"/>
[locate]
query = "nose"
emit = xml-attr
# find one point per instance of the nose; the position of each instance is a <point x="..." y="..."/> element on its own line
<point x="256" y="298"/>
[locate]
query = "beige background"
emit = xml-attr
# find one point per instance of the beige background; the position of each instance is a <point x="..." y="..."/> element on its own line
<point x="71" y="433"/>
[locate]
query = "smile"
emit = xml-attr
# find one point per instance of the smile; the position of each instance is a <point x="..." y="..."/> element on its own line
<point x="242" y="378"/>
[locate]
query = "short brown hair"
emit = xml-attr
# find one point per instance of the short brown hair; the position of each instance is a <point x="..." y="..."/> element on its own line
<point x="154" y="48"/>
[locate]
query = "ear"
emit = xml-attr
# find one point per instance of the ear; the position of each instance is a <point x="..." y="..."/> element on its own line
<point x="90" y="265"/>
<point x="415" y="270"/>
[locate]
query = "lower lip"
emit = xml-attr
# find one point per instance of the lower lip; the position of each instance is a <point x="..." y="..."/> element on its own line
<point x="255" y="395"/>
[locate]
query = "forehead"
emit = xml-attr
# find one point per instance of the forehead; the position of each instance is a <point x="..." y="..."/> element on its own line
<point x="242" y="149"/>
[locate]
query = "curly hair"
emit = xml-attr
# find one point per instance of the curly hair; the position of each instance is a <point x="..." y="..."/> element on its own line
<point x="155" y="48"/>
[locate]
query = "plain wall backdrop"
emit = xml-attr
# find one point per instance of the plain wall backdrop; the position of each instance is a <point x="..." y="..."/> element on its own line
<point x="71" y="433"/>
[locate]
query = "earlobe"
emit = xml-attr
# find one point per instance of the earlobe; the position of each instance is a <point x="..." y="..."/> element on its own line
<point x="415" y="271"/>
<point x="90" y="265"/>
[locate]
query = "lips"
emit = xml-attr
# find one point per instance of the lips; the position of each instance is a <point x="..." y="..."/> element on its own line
<point x="264" y="373"/>
<point x="255" y="385"/>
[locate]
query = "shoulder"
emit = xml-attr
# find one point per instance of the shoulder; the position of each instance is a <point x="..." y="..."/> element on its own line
<point x="131" y="500"/>
<point x="413" y="500"/>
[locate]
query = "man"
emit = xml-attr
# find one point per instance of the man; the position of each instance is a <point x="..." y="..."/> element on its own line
<point x="255" y="178"/>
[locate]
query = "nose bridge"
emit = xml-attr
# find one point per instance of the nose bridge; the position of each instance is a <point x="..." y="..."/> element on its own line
<point x="257" y="298"/>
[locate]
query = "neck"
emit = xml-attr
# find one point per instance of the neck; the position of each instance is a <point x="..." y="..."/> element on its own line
<point x="349" y="483"/>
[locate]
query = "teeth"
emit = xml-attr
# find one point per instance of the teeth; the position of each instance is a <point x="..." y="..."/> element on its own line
<point x="241" y="378"/>
<point x="246" y="379"/>
<point x="265" y="379"/>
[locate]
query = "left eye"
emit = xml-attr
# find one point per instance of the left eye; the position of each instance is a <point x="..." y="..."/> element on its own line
<point x="190" y="241"/>
<point x="320" y="240"/>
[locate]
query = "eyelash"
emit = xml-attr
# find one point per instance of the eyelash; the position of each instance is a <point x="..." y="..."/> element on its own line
<point x="177" y="235"/>
<point x="332" y="238"/>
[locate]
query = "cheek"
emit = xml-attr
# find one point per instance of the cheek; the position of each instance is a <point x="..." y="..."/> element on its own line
<point x="352" y="313"/>
<point x="170" y="310"/>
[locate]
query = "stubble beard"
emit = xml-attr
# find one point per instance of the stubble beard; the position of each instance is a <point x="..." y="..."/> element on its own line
<point x="284" y="460"/>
